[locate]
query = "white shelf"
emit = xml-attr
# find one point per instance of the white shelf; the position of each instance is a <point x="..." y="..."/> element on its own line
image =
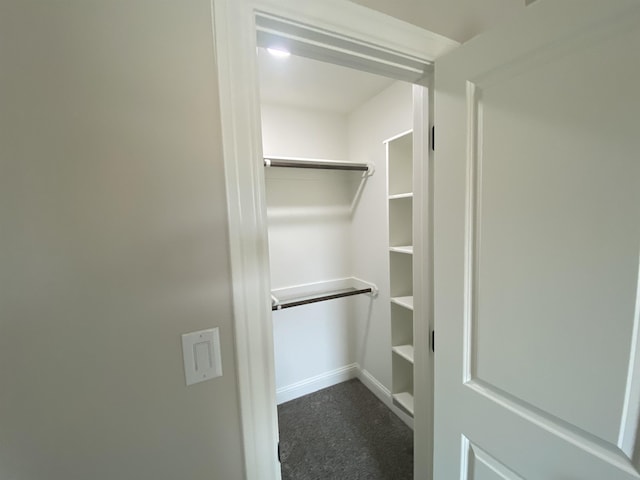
<point x="403" y="249"/>
<point x="406" y="302"/>
<point x="296" y="295"/>
<point x="405" y="400"/>
<point x="405" y="351"/>
<point x="401" y="195"/>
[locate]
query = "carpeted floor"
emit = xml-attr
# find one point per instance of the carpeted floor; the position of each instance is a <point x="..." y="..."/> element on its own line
<point x="344" y="433"/>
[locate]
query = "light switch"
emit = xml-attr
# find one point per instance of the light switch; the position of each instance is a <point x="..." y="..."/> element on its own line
<point x="201" y="352"/>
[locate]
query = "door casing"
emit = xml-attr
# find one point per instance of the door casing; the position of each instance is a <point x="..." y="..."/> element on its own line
<point x="234" y="25"/>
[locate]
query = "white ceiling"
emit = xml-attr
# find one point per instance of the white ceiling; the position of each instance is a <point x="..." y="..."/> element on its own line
<point x="301" y="82"/>
<point x="306" y="83"/>
<point x="459" y="20"/>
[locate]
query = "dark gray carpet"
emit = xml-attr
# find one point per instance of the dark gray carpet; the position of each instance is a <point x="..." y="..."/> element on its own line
<point x="345" y="433"/>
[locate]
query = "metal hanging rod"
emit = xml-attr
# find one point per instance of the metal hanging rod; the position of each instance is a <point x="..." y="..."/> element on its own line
<point x="321" y="298"/>
<point x="317" y="164"/>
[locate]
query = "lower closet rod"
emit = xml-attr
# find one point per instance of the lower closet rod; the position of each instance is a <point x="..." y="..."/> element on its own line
<point x="322" y="298"/>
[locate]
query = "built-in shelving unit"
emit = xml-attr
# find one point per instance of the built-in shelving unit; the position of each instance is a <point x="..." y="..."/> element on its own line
<point x="400" y="197"/>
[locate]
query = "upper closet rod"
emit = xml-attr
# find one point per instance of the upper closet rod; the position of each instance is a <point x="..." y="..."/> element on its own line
<point x="322" y="164"/>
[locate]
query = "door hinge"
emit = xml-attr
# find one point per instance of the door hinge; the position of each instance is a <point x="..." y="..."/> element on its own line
<point x="433" y="341"/>
<point x="279" y="459"/>
<point x="433" y="138"/>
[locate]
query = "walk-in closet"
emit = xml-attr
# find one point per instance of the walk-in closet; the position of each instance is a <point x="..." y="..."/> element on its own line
<point x="339" y="177"/>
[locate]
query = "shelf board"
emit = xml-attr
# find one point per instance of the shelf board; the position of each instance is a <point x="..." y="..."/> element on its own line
<point x="319" y="297"/>
<point x="405" y="351"/>
<point x="405" y="400"/>
<point x="406" y="302"/>
<point x="401" y="195"/>
<point x="402" y="249"/>
<point x="296" y="295"/>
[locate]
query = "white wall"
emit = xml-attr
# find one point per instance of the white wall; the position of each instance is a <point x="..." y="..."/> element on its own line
<point x="315" y="235"/>
<point x="309" y="238"/>
<point x="113" y="242"/>
<point x="385" y="115"/>
<point x="290" y="132"/>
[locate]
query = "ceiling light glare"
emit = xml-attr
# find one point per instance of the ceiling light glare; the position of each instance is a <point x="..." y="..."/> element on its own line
<point x="279" y="52"/>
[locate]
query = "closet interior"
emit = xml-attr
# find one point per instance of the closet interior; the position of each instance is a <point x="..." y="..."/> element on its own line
<point x="338" y="165"/>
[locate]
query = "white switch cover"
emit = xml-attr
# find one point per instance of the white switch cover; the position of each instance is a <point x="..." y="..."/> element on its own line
<point x="201" y="352"/>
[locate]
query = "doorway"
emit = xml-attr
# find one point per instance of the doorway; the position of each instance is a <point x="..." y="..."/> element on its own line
<point x="351" y="29"/>
<point x="328" y="242"/>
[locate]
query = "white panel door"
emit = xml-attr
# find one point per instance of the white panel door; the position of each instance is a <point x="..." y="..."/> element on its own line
<point x="537" y="244"/>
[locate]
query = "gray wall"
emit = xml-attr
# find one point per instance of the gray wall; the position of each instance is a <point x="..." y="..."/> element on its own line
<point x="113" y="242"/>
<point x="459" y="20"/>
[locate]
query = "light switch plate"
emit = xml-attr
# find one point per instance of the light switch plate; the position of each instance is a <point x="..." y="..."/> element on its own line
<point x="201" y="352"/>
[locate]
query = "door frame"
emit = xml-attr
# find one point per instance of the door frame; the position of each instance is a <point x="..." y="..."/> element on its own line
<point x="234" y="29"/>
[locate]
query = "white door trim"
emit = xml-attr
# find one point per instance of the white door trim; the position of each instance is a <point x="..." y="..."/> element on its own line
<point x="235" y="44"/>
<point x="423" y="281"/>
<point x="369" y="27"/>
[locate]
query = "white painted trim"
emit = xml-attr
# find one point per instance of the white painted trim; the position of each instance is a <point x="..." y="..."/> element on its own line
<point x="312" y="42"/>
<point x="235" y="44"/>
<point x="313" y="384"/>
<point x="362" y="24"/>
<point x="246" y="207"/>
<point x="423" y="281"/>
<point x="339" y="375"/>
<point x="383" y="394"/>
<point x="379" y="390"/>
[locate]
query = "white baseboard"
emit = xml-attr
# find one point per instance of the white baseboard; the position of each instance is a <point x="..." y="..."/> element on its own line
<point x="372" y="383"/>
<point x="339" y="375"/>
<point x="313" y="384"/>
<point x="383" y="394"/>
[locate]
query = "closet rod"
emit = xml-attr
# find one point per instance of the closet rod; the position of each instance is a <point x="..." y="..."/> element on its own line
<point x="322" y="164"/>
<point x="321" y="298"/>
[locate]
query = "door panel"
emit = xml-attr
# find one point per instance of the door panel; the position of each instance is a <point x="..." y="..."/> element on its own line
<point x="479" y="465"/>
<point x="537" y="241"/>
<point x="581" y="190"/>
